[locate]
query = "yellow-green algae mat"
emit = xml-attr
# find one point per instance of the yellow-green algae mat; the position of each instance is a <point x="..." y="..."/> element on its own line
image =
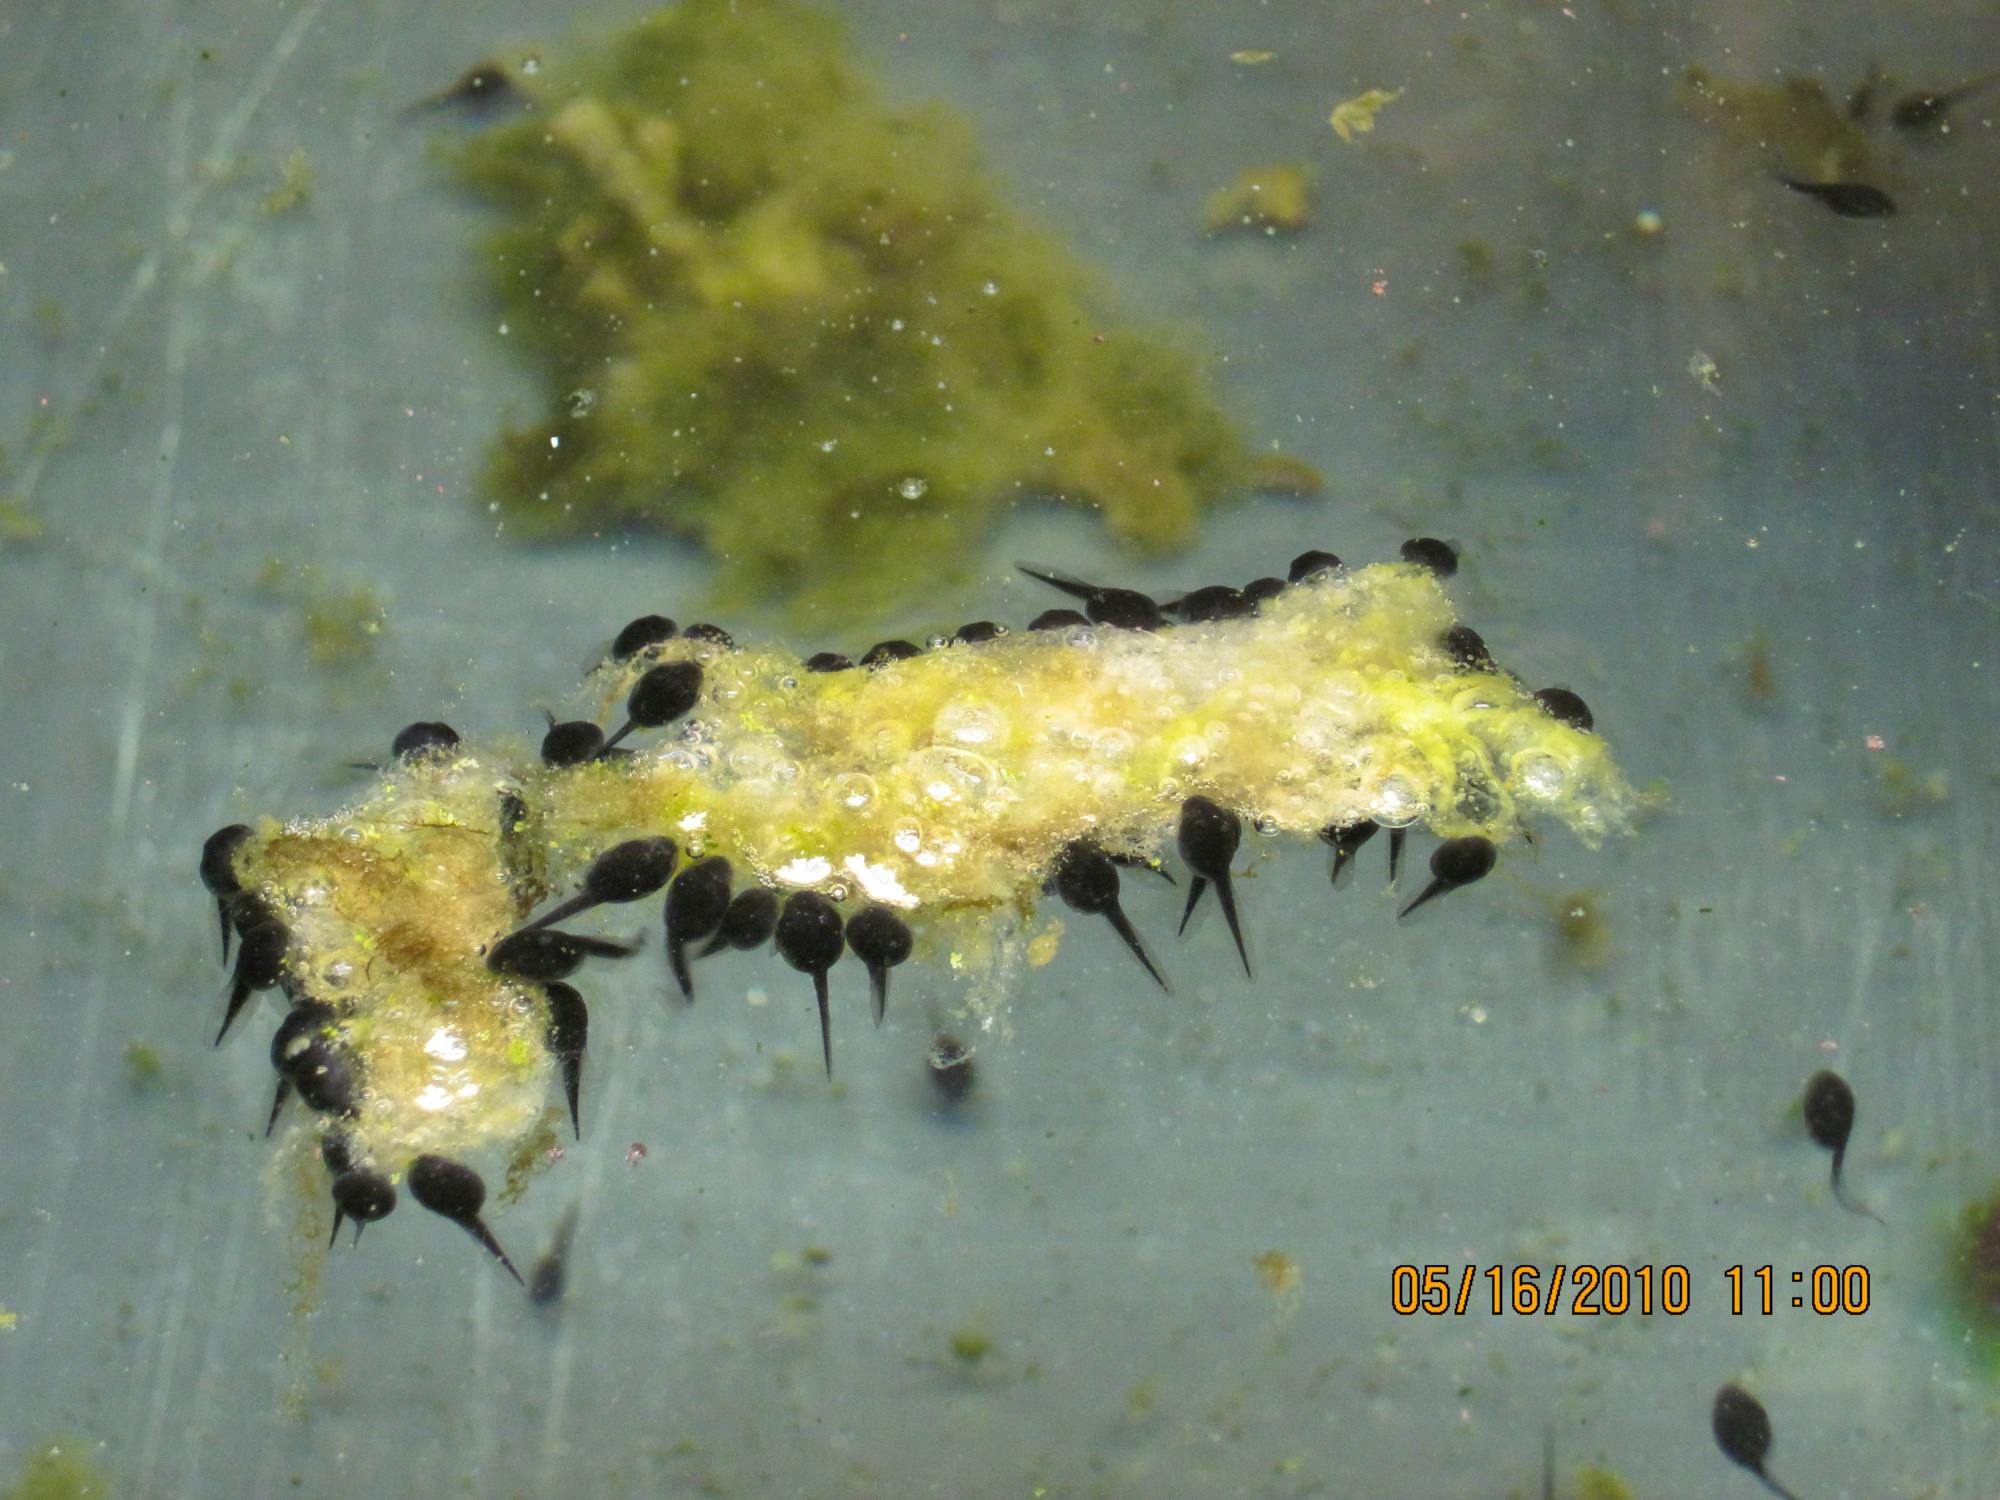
<point x="802" y="327"/>
<point x="943" y="786"/>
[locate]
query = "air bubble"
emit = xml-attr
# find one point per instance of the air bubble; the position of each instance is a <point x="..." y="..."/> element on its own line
<point x="913" y="488"/>
<point x="1398" y="802"/>
<point x="970" y="721"/>
<point x="1539" y="774"/>
<point x="1114" y="744"/>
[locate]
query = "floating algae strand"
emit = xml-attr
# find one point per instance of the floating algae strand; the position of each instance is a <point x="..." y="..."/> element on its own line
<point x="817" y="340"/>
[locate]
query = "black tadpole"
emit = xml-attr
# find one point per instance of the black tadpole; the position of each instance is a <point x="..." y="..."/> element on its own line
<point x="546" y="954"/>
<point x="1829" y="1112"/>
<point x="1565" y="707"/>
<point x="1428" y="552"/>
<point x="1850" y="200"/>
<point x="1310" y="564"/>
<point x="883" y="652"/>
<point x="550" y="1277"/>
<point x="625" y="872"/>
<point x="1346" y="839"/>
<point x="1743" y="1432"/>
<point x="455" y="1192"/>
<point x="319" y="1063"/>
<point x="661" y="696"/>
<point x="1215" y="601"/>
<point x="1454" y="863"/>
<point x="571" y="742"/>
<point x="414" y="741"/>
<point x="1087" y="880"/>
<point x="1926" y="111"/>
<point x="260" y="961"/>
<point x="1121" y="609"/>
<point x="1468" y="649"/>
<point x="568" y="1036"/>
<point x="696" y="906"/>
<point x="1209" y="837"/>
<point x="647" y="630"/>
<point x="809" y="940"/>
<point x="288" y="1043"/>
<point x="748" y="923"/>
<point x="218" y="872"/>
<point x="1258" y="590"/>
<point x="881" y="940"/>
<point x="363" y="1197"/>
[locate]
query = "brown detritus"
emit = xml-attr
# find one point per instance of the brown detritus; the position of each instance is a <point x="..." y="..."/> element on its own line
<point x="1756" y="661"/>
<point x="1582" y="931"/>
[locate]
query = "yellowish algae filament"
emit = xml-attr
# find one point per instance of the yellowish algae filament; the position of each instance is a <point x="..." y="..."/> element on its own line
<point x="944" y="785"/>
<point x="776" y="315"/>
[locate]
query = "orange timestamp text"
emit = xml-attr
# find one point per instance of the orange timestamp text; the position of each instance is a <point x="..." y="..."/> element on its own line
<point x="1586" y="1290"/>
<point x="1590" y="1290"/>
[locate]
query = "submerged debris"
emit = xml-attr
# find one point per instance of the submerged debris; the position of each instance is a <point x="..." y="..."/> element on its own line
<point x="1809" y="136"/>
<point x="1356" y="116"/>
<point x="1275" y="197"/>
<point x="777" y="316"/>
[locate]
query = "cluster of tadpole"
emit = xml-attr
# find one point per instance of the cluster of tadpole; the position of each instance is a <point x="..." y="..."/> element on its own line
<point x="705" y="911"/>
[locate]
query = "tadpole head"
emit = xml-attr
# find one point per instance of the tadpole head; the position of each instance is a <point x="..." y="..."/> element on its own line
<point x="881" y="940"/>
<point x="647" y="630"/>
<point x="1440" y="558"/>
<point x="416" y="741"/>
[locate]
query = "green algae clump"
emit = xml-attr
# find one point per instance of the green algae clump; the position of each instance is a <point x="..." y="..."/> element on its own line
<point x="58" y="1471"/>
<point x="781" y="318"/>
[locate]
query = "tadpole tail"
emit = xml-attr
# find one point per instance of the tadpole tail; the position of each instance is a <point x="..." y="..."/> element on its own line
<point x="1122" y="925"/>
<point x="1434" y="889"/>
<point x="239" y="995"/>
<point x="555" y="914"/>
<point x="1847" y="1200"/>
<point x="1226" y="894"/>
<point x="825" y="1024"/>
<point x="1195" y="887"/>
<point x="677" y="960"/>
<point x="480" y="1232"/>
